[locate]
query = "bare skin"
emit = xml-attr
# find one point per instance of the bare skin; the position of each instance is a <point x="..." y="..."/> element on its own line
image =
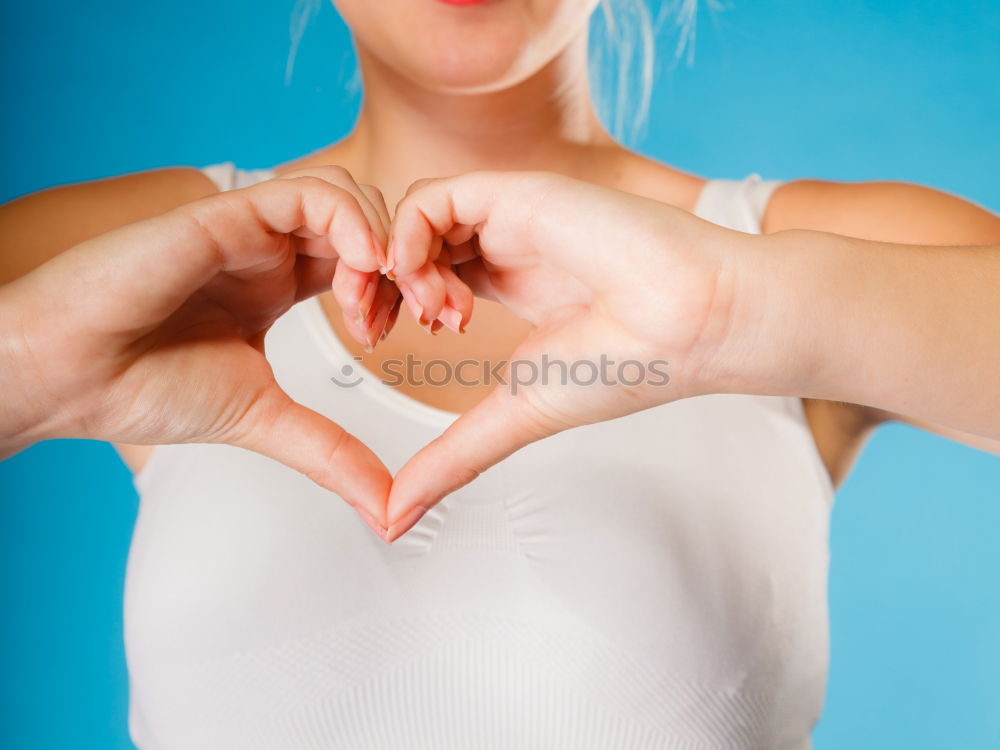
<point x="883" y="211"/>
<point x="544" y="121"/>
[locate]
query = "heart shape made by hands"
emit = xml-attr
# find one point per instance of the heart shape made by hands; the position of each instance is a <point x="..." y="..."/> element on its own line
<point x="540" y="245"/>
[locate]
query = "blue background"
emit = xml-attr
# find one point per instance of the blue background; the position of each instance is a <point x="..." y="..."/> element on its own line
<point x="840" y="89"/>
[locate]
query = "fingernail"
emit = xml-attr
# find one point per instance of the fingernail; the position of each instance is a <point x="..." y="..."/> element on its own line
<point x="367" y="321"/>
<point x="389" y="275"/>
<point x="378" y="325"/>
<point x="384" y="329"/>
<point x="390" y="255"/>
<point x="390" y="322"/>
<point x="382" y="270"/>
<point x="451" y="318"/>
<point x="436" y="327"/>
<point x="411" y="302"/>
<point x="374" y="525"/>
<point x="377" y="249"/>
<point x="405" y="523"/>
<point x="367" y="298"/>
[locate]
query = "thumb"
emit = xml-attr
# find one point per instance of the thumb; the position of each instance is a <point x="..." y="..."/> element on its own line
<point x="542" y="396"/>
<point x="496" y="427"/>
<point x="308" y="442"/>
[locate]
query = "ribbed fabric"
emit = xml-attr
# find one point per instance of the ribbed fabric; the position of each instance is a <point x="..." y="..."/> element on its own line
<point x="457" y="680"/>
<point x="656" y="581"/>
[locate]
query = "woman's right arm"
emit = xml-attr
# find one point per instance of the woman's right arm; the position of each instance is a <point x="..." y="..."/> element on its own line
<point x="151" y="333"/>
<point x="36" y="227"/>
<point x="40" y="225"/>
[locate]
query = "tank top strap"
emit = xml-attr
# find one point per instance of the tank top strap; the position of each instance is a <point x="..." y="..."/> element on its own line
<point x="227" y="176"/>
<point x="736" y="204"/>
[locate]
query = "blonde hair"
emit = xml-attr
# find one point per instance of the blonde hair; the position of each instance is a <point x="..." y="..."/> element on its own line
<point x="622" y="57"/>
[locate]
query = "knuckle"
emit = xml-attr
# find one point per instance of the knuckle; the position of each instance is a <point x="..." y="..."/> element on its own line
<point x="541" y="183"/>
<point x="464" y="475"/>
<point x="339" y="175"/>
<point x="401" y="209"/>
<point x="326" y="472"/>
<point x="420" y="183"/>
<point x="312" y="181"/>
<point x="327" y="173"/>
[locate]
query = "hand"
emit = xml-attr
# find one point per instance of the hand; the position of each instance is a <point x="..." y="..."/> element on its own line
<point x="600" y="273"/>
<point x="154" y="332"/>
<point x="369" y="302"/>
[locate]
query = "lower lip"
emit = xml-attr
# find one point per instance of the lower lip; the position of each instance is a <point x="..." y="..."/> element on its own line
<point x="462" y="2"/>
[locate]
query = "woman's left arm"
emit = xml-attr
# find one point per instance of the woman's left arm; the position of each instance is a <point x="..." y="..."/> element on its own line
<point x="901" y="328"/>
<point x="887" y="212"/>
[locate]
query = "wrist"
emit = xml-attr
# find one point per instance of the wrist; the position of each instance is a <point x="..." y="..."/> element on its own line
<point x="23" y="408"/>
<point x="769" y="338"/>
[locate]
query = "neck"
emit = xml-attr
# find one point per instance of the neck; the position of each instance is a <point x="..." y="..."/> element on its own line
<point x="404" y="131"/>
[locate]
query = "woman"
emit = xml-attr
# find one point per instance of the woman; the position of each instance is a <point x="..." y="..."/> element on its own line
<point x="654" y="581"/>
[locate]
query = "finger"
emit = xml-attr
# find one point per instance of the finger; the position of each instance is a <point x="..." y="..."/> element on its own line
<point x="416" y="185"/>
<point x="531" y="403"/>
<point x="475" y="276"/>
<point x="324" y="209"/>
<point x="430" y="252"/>
<point x="242" y="232"/>
<point x="457" y="309"/>
<point x="520" y="217"/>
<point x="425" y="293"/>
<point x="368" y="198"/>
<point x="310" y="443"/>
<point x="393" y="315"/>
<point x="355" y="294"/>
<point x="379" y="215"/>
<point x="434" y="208"/>
<point x="386" y="298"/>
<point x="354" y="290"/>
<point x="314" y="275"/>
<point x="332" y="173"/>
<point x="461" y="251"/>
<point x="365" y="319"/>
<point x="377" y="200"/>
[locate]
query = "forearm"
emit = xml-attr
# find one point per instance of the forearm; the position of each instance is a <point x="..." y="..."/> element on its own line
<point x="41" y="315"/>
<point x="37" y="227"/>
<point x="908" y="329"/>
<point x="20" y="416"/>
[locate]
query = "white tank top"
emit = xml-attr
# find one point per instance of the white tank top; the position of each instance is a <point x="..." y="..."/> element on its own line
<point x="656" y="581"/>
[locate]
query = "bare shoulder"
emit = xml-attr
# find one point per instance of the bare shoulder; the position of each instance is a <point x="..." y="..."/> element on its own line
<point x="883" y="211"/>
<point x="75" y="212"/>
<point x="627" y="170"/>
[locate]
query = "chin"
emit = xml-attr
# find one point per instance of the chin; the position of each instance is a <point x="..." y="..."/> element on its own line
<point x="469" y="63"/>
<point x="473" y="48"/>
